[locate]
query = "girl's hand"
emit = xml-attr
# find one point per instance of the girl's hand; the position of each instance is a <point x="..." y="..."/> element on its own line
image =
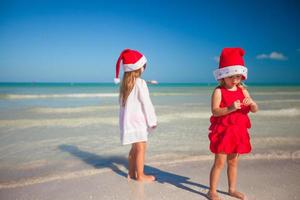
<point x="235" y="105"/>
<point x="153" y="127"/>
<point x="248" y="101"/>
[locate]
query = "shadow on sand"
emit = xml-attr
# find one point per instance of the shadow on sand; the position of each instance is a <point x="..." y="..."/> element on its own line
<point x="112" y="162"/>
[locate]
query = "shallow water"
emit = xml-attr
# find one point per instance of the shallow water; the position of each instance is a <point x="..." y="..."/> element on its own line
<point x="53" y="131"/>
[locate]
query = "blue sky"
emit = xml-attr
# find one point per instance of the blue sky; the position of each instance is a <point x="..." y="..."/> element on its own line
<point x="80" y="41"/>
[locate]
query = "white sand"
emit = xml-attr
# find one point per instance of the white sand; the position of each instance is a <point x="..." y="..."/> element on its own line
<point x="258" y="179"/>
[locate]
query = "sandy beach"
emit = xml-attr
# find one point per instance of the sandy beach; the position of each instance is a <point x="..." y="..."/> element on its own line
<point x="258" y="179"/>
<point x="67" y="146"/>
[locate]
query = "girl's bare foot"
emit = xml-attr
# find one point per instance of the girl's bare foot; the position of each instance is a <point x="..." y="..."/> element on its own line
<point x="213" y="196"/>
<point x="146" y="178"/>
<point x="130" y="176"/>
<point x="237" y="194"/>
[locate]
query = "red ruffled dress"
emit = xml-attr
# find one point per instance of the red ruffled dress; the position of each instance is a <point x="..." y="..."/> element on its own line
<point x="229" y="133"/>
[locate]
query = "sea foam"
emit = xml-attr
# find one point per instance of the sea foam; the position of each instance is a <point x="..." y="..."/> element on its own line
<point x="289" y="112"/>
<point x="52" y="96"/>
<point x="68" y="110"/>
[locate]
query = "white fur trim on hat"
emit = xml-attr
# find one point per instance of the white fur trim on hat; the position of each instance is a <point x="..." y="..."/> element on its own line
<point x="230" y="71"/>
<point x="131" y="67"/>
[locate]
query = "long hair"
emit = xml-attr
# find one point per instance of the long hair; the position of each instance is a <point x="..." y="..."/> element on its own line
<point x="128" y="83"/>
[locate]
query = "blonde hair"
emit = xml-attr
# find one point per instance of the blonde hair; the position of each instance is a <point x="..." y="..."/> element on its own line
<point x="127" y="84"/>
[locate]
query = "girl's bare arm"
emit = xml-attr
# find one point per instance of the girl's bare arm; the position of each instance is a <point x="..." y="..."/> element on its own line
<point x="215" y="104"/>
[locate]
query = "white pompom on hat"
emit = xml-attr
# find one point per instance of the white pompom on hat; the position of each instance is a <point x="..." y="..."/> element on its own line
<point x="131" y="60"/>
<point x="231" y="63"/>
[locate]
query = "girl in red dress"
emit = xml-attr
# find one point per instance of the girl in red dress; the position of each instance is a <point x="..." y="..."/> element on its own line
<point x="228" y="132"/>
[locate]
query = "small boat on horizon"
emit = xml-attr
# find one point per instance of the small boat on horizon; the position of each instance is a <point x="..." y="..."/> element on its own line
<point x="154" y="82"/>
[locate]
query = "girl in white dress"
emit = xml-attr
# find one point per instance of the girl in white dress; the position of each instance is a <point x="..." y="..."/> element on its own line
<point x="137" y="115"/>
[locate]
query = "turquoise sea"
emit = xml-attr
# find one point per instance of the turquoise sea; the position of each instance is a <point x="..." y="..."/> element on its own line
<point x="52" y="131"/>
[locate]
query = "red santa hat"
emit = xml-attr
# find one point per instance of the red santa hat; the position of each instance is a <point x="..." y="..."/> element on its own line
<point x="131" y="60"/>
<point x="231" y="63"/>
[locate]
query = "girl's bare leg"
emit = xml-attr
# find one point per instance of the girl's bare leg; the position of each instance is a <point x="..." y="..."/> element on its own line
<point x="140" y="149"/>
<point x="131" y="163"/>
<point x="215" y="175"/>
<point x="232" y="161"/>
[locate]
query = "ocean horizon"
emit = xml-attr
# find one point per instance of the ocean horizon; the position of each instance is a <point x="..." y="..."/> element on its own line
<point x="159" y="83"/>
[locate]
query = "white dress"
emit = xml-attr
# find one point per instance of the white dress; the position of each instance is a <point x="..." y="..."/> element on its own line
<point x="138" y="115"/>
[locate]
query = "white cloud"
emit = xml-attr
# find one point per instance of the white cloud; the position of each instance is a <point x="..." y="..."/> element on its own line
<point x="273" y="56"/>
<point x="262" y="56"/>
<point x="277" y="56"/>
